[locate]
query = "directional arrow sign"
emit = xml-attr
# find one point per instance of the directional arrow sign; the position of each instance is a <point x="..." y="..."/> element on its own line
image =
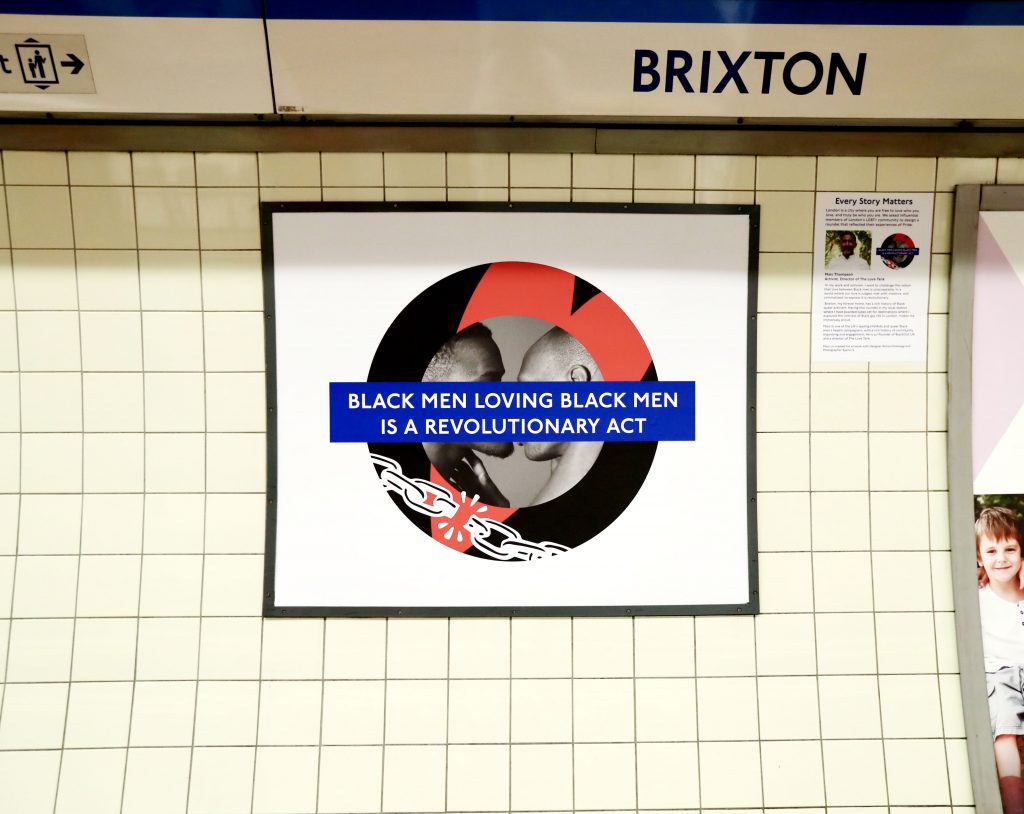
<point x="74" y="63"/>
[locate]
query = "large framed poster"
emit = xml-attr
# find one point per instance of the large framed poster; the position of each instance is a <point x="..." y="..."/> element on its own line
<point x="986" y="484"/>
<point x="510" y="409"/>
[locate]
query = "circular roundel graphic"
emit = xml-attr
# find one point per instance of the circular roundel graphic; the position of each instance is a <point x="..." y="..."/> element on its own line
<point x="897" y="251"/>
<point x="489" y="497"/>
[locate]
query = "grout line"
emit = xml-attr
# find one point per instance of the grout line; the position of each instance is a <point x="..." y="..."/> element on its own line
<point x="323" y="688"/>
<point x="384" y="715"/>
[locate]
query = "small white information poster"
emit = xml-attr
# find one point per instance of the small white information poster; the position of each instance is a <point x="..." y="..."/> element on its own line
<point x="872" y="256"/>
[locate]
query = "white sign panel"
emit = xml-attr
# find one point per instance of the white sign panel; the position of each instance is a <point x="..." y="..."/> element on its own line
<point x="494" y="409"/>
<point x="44" y="64"/>
<point x="872" y="261"/>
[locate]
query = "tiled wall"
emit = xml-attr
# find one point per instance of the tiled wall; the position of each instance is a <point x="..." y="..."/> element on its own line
<point x="139" y="676"/>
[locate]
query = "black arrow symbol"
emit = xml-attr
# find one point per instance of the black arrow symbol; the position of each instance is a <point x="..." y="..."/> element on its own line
<point x="43" y="87"/>
<point x="75" y="64"/>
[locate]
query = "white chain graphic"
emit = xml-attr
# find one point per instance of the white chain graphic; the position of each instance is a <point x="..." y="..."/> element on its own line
<point x="497" y="540"/>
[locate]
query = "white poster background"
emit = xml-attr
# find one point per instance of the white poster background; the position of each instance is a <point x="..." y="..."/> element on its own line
<point x="341" y="278"/>
<point x="880" y="314"/>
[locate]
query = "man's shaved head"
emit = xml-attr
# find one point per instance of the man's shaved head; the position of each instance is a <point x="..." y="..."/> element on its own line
<point x="558" y="356"/>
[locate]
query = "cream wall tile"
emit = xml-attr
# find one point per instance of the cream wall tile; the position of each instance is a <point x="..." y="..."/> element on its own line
<point x="235" y="524"/>
<point x="44" y="279"/>
<point x="849" y="707"/>
<point x="541" y="710"/>
<point x="350" y="778"/>
<point x="666" y="709"/>
<point x="541" y="648"/>
<point x="112" y="402"/>
<point x="602" y="171"/>
<point x="942" y="229"/>
<point x="942" y="580"/>
<point x="164" y="169"/>
<point x="788" y="708"/>
<point x="952" y="706"/>
<point x="30" y="780"/>
<point x="171" y="585"/>
<point x="168" y="650"/>
<point x="108" y="585"/>
<point x="727" y="709"/>
<point x="5" y="234"/>
<point x="478" y="712"/>
<point x="906" y="642"/>
<point x="604" y="775"/>
<point x="289" y="713"/>
<point x="108" y="280"/>
<point x="902" y="580"/>
<point x="175" y="462"/>
<point x="229" y="218"/>
<point x="785" y="581"/>
<point x="169" y="280"/>
<point x="897" y="401"/>
<point x="99" y="169"/>
<point x="916" y="772"/>
<point x="414" y="778"/>
<point x="51" y="402"/>
<point x="540" y="170"/>
<point x="98" y="714"/>
<point x="289" y="169"/>
<point x="156" y="781"/>
<point x="33" y="716"/>
<point x="104" y="650"/>
<point x="305" y="194"/>
<point x="10" y="403"/>
<point x="945" y="643"/>
<point x="51" y="462"/>
<point x="787" y="221"/>
<point x="725" y="172"/>
<point x="353" y="193"/>
<point x="167" y="218"/>
<point x="539" y="195"/>
<point x="230" y="649"/>
<point x="846" y="172"/>
<point x="226" y="170"/>
<point x="10" y="463"/>
<point x="414" y="169"/>
<point x="663" y="171"/>
<point x="898" y="461"/>
<point x="842" y="581"/>
<point x="175" y="402"/>
<point x="111" y="524"/>
<point x="292" y="649"/>
<point x="479" y="648"/>
<point x="782" y="402"/>
<point x="285" y="779"/>
<point x="938" y="328"/>
<point x="1010" y="171"/>
<point x="846" y="643"/>
<point x="478" y="778"/>
<point x="35" y="167"/>
<point x="90" y="780"/>
<point x="602" y="195"/>
<point x="353" y="712"/>
<point x="938" y="288"/>
<point x="792" y="773"/>
<point x="354" y="648"/>
<point x="839" y="461"/>
<point x="39" y="650"/>
<point x="417" y="648"/>
<point x="667" y="775"/>
<point x="602" y="648"/>
<point x="937" y="404"/>
<point x="172" y="341"/>
<point x="783" y="343"/>
<point x="40" y="217"/>
<point x="783" y="462"/>
<point x="232" y="281"/>
<point x="954" y="171"/>
<point x="668" y="196"/>
<point x="785" y="172"/>
<point x="6" y="281"/>
<point x="236" y="462"/>
<point x="783" y="521"/>
<point x="854" y="773"/>
<point x="730" y="775"/>
<point x="111" y="341"/>
<point x="9" y="510"/>
<point x="784" y="282"/>
<point x="937" y="467"/>
<point x="352" y="169"/>
<point x="725" y="646"/>
<point x="906" y="175"/>
<point x="664" y="646"/>
<point x="478" y="194"/>
<point x="719" y="196"/>
<point x="899" y="521"/>
<point x="236" y="402"/>
<point x="221" y="779"/>
<point x="785" y="644"/>
<point x="473" y="170"/>
<point x="49" y="524"/>
<point x="104" y="217"/>
<point x="232" y="585"/>
<point x="959" y="776"/>
<point x="603" y="710"/>
<point x="910" y="706"/>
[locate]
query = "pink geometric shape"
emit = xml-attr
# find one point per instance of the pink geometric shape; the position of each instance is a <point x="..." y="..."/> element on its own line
<point x="998" y="377"/>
